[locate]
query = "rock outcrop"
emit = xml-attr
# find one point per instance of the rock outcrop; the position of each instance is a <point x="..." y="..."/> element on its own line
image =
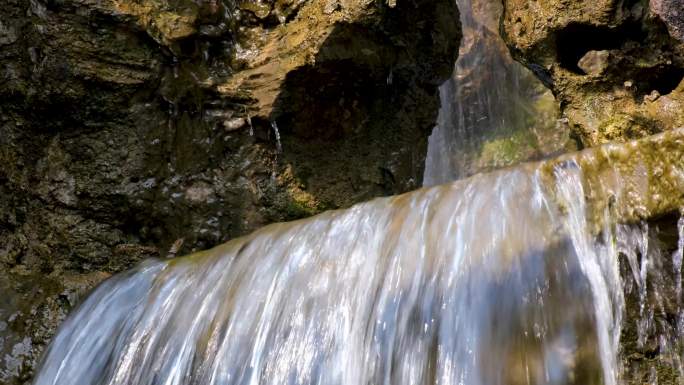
<point x="616" y="67"/>
<point x="637" y="181"/>
<point x="131" y="129"/>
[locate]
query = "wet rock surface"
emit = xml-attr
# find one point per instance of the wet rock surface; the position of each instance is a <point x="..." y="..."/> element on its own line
<point x="615" y="67"/>
<point x="651" y="342"/>
<point x="131" y="130"/>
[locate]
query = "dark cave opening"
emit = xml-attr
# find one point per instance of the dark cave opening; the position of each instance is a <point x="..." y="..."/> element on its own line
<point x="662" y="80"/>
<point x="578" y="39"/>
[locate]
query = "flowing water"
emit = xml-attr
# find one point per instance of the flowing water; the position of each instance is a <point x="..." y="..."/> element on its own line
<point x="494" y="111"/>
<point x="496" y="279"/>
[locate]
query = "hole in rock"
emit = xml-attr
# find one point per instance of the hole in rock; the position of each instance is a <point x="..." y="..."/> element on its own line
<point x="663" y="80"/>
<point x="575" y="40"/>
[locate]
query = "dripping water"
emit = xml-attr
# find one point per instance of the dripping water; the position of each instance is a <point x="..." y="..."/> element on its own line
<point x="276" y="132"/>
<point x="677" y="260"/>
<point x="654" y="319"/>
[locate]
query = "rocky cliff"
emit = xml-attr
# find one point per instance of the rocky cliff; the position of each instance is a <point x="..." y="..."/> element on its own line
<point x="133" y="129"/>
<point x="616" y="67"/>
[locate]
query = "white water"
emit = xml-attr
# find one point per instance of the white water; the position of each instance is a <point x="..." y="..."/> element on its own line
<point x="481" y="282"/>
<point x="493" y="280"/>
<point x="655" y="287"/>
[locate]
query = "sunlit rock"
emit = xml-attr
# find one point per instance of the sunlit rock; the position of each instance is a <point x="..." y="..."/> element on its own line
<point x="553" y="39"/>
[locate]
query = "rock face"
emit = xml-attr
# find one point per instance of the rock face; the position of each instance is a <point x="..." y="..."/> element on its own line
<point x="131" y="129"/>
<point x="638" y="181"/>
<point x="616" y="67"/>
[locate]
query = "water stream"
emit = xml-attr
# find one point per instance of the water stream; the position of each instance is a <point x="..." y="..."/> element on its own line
<point x="494" y="111"/>
<point x="496" y="279"/>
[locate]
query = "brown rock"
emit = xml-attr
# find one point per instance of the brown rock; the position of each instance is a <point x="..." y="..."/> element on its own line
<point x="672" y="13"/>
<point x="586" y="51"/>
<point x="594" y="62"/>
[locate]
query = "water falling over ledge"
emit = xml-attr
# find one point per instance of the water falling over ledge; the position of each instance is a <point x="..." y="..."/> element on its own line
<point x="504" y="278"/>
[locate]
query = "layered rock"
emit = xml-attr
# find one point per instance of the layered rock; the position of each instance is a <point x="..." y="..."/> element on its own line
<point x="131" y="129"/>
<point x="616" y="67"/>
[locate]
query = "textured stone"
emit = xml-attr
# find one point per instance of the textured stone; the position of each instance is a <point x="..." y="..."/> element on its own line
<point x="553" y="39"/>
<point x="637" y="180"/>
<point x="594" y="62"/>
<point x="672" y="13"/>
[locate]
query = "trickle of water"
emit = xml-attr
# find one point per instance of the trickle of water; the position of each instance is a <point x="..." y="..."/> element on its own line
<point x="655" y="312"/>
<point x="494" y="280"/>
<point x="677" y="260"/>
<point x="249" y="121"/>
<point x="279" y="146"/>
<point x="634" y="244"/>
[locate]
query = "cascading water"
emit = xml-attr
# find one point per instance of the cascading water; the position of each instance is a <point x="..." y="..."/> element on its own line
<point x="497" y="279"/>
<point x="500" y="279"/>
<point x="653" y="285"/>
<point x="494" y="111"/>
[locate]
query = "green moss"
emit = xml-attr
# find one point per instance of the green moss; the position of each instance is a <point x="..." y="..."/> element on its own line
<point x="501" y="152"/>
<point x="295" y="210"/>
<point x="624" y="126"/>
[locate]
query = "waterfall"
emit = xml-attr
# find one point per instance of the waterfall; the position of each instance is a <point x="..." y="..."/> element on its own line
<point x="496" y="279"/>
<point x="494" y="111"/>
<point x="505" y="278"/>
